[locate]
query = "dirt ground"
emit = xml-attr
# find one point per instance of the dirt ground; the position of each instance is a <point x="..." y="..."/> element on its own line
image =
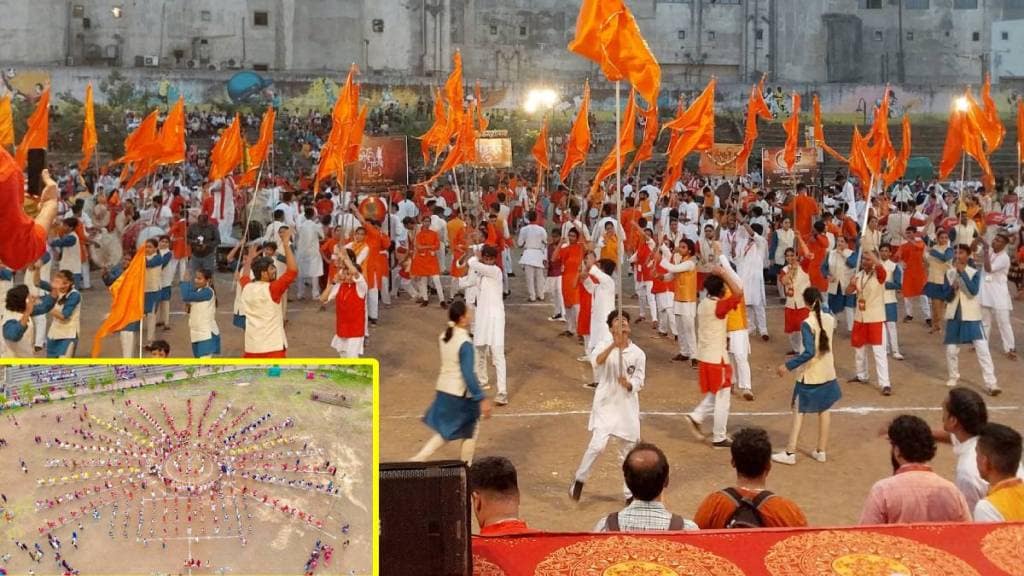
<point x="544" y="428"/>
<point x="275" y="542"/>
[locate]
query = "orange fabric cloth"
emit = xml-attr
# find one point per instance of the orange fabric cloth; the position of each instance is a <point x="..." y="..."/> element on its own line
<point x="915" y="273"/>
<point x="424" y="260"/>
<point x="127" y="294"/>
<point x="540" y="147"/>
<point x="37" y="134"/>
<point x="792" y="127"/>
<point x="6" y="122"/>
<point x="571" y="257"/>
<point x="818" y="245"/>
<point x="713" y="377"/>
<point x="507" y="528"/>
<point x="646" y="149"/>
<point x="89" y="139"/>
<point x="616" y="158"/>
<point x="586" y="307"/>
<point x="373" y="269"/>
<point x="776" y="512"/>
<point x="578" y="145"/>
<point x="756" y="108"/>
<point x="23" y="241"/>
<point x="258" y="152"/>
<point x="805" y="208"/>
<point x="171" y="148"/>
<point x="227" y="152"/>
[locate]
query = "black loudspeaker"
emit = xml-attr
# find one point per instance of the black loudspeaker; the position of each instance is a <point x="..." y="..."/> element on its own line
<point x="425" y="519"/>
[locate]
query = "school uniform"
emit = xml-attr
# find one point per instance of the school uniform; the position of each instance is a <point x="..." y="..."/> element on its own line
<point x="964" y="325"/>
<point x="70" y="255"/>
<point x="19" y="339"/>
<point x="817" y="389"/>
<point x="795" y="311"/>
<point x="202" y="319"/>
<point x="893" y="283"/>
<point x="63" y="334"/>
<point x="868" y="325"/>
<point x="684" y="306"/>
<point x="153" y="287"/>
<point x="839" y="268"/>
<point x="996" y="301"/>
<point x="938" y="260"/>
<point x="714" y="372"/>
<point x="349" y="317"/>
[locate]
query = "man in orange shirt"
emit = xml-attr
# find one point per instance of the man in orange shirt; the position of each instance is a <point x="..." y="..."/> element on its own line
<point x="748" y="504"/>
<point x="426" y="244"/>
<point x="804" y="209"/>
<point x="494" y="493"/>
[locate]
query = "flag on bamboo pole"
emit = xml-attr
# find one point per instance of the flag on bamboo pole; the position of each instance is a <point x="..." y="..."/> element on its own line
<point x="463" y="150"/>
<point x="975" y="141"/>
<point x="695" y="127"/>
<point x="434" y="138"/>
<point x="6" y="123"/>
<point x="756" y="108"/>
<point x="819" y="133"/>
<point x="89" y="139"/>
<point x="608" y="34"/>
<point x="171" y="142"/>
<point x="137" y="149"/>
<point x="625" y="144"/>
<point x="127" y="294"/>
<point x="455" y="93"/>
<point x="673" y="172"/>
<point x="227" y="152"/>
<point x="952" y="150"/>
<point x="859" y="164"/>
<point x="992" y="129"/>
<point x="540" y="147"/>
<point x="344" y="115"/>
<point x="355" y="138"/>
<point x="37" y="135"/>
<point x="578" y="144"/>
<point x="792" y="127"/>
<point x="482" y="121"/>
<point x="258" y="152"/>
<point x="646" y="150"/>
<point x="895" y="170"/>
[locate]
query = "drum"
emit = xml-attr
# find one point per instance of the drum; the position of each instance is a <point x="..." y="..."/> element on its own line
<point x="148" y="232"/>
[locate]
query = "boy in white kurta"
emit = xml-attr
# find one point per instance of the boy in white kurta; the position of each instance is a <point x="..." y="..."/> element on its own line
<point x="620" y="368"/>
<point x="750" y="268"/>
<point x="489" y="320"/>
<point x="603" y="303"/>
<point x="995" y="292"/>
<point x="308" y="235"/>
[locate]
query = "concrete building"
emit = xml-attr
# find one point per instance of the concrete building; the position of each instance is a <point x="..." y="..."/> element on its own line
<point x="514" y="41"/>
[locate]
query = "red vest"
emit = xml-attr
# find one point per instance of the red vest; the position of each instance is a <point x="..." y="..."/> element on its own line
<point x="350" y="312"/>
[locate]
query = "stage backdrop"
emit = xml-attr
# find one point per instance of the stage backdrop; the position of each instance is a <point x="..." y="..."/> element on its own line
<point x="910" y="550"/>
<point x="720" y="160"/>
<point x="494" y="149"/>
<point x="383" y="162"/>
<point x="773" y="167"/>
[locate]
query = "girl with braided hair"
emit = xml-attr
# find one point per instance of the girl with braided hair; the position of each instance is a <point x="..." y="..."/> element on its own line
<point x="817" y="389"/>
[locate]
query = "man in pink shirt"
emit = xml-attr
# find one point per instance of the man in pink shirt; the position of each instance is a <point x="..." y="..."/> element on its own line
<point x="914" y="493"/>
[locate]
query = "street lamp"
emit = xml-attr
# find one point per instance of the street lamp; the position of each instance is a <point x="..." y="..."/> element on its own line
<point x="961" y="104"/>
<point x="538" y="98"/>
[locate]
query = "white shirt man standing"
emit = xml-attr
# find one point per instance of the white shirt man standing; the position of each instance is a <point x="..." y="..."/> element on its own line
<point x="533" y="240"/>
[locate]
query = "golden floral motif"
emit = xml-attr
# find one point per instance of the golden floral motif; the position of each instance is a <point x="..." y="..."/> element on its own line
<point x="1004" y="547"/>
<point x="847" y="553"/>
<point x="630" y="556"/>
<point x="483" y="567"/>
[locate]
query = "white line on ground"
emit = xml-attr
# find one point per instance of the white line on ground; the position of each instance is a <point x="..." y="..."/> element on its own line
<point x="855" y="410"/>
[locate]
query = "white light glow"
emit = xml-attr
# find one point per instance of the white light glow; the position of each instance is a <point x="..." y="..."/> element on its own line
<point x="961" y="104"/>
<point x="540" y="98"/>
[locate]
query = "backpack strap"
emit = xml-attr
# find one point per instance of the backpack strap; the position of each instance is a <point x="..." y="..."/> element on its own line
<point x="760" y="499"/>
<point x="611" y="523"/>
<point x="676" y="523"/>
<point x="733" y="495"/>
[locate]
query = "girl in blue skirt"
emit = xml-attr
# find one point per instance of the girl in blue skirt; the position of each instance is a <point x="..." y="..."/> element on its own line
<point x="817" y="389"/>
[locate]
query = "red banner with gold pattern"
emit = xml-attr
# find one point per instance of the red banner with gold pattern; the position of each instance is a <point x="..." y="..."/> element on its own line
<point x="934" y="549"/>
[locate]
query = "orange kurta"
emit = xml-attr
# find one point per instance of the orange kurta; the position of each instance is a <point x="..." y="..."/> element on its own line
<point x="424" y="259"/>
<point x="818" y="245"/>
<point x="915" y="274"/>
<point x="805" y="209"/>
<point x="373" y="268"/>
<point x="571" y="257"/>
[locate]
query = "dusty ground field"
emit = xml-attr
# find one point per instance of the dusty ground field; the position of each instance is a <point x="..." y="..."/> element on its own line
<point x="543" y="429"/>
<point x="276" y="543"/>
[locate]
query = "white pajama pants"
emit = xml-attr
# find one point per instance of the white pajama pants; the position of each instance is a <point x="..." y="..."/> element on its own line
<point x="534" y="282"/>
<point x="163" y="311"/>
<point x="300" y="286"/>
<point x="646" y="298"/>
<point x="881" y="362"/>
<point x="385" y="290"/>
<point x="1002" y="318"/>
<point x="796" y="342"/>
<point x="716" y="404"/>
<point x="129" y="346"/>
<point x="40" y="326"/>
<point x="892" y="337"/>
<point x="739" y="356"/>
<point x="373" y="303"/>
<point x="666" y="320"/>
<point x="922" y="303"/>
<point x="497" y="357"/>
<point x="598" y="442"/>
<point x="686" y="315"/>
<point x="420" y="288"/>
<point x="988" y="370"/>
<point x="86" y="276"/>
<point x="571" y="314"/>
<point x="760" y="318"/>
<point x="554" y="287"/>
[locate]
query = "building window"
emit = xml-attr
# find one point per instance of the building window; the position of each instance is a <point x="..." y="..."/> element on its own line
<point x="759" y="34"/>
<point x="976" y="36"/>
<point x="260" y="18"/>
<point x="871" y="4"/>
<point x="681" y="34"/>
<point x="878" y="36"/>
<point x="711" y="35"/>
<point x="916" y="4"/>
<point x="378" y="25"/>
<point x="1015" y="4"/>
<point x="205" y="16"/>
<point x="494" y="30"/>
<point x="77" y="11"/>
<point x="261" y="67"/>
<point x="1005" y="35"/>
<point x="910" y="36"/>
<point x="522" y="30"/>
<point x="965" y="4"/>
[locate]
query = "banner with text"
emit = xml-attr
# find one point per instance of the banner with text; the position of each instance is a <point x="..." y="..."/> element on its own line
<point x="494" y="149"/>
<point x="720" y="160"/>
<point x="383" y="162"/>
<point x="773" y="167"/>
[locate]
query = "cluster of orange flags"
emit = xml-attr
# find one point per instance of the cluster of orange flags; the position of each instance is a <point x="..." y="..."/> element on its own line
<point x="347" y="125"/>
<point x="607" y="33"/>
<point x="37" y="135"/>
<point x="756" y="108"/>
<point x="792" y="128"/>
<point x="227" y="153"/>
<point x="127" y="294"/>
<point x="625" y="145"/>
<point x="257" y="153"/>
<point x="458" y="122"/>
<point x="463" y="151"/>
<point x="437" y="137"/>
<point x="578" y="144"/>
<point x="146" y="148"/>
<point x="89" y="138"/>
<point x="6" y="122"/>
<point x="693" y="130"/>
<point x="976" y="131"/>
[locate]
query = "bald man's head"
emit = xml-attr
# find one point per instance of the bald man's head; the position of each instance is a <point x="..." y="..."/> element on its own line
<point x="646" y="472"/>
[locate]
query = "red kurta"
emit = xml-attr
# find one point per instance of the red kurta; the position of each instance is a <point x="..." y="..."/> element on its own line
<point x="818" y="245"/>
<point x="350" y="312"/>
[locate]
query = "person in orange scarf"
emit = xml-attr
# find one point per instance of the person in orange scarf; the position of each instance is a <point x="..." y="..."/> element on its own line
<point x="24" y="238"/>
<point x="570" y="254"/>
<point x="426" y="244"/>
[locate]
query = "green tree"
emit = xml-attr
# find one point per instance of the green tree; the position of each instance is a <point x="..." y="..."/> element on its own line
<point x="169" y="376"/>
<point x="3" y="399"/>
<point x="27" y="392"/>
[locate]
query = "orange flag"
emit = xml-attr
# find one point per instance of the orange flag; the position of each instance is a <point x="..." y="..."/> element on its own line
<point x="453" y="90"/>
<point x="646" y="150"/>
<point x="858" y="159"/>
<point x="137" y="147"/>
<point x="756" y="108"/>
<point x="974" y="140"/>
<point x="607" y="33"/>
<point x="481" y="119"/>
<point x="540" y="147"/>
<point x="355" y="139"/>
<point x="898" y="167"/>
<point x="625" y="145"/>
<point x="673" y="172"/>
<point x="170" y="145"/>
<point x="792" y="127"/>
<point x="258" y="152"/>
<point x="696" y="127"/>
<point x="819" y="133"/>
<point x="344" y="115"/>
<point x="578" y="145"/>
<point x="227" y="152"/>
<point x="6" y="123"/>
<point x="434" y="138"/>
<point x="992" y="129"/>
<point x="127" y="294"/>
<point x="464" y="149"/>
<point x="89" y="139"/>
<point x="1020" y="131"/>
<point x="38" y="131"/>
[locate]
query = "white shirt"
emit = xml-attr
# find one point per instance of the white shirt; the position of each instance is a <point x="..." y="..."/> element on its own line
<point x="995" y="293"/>
<point x="533" y="240"/>
<point x="407" y="209"/>
<point x="616" y="411"/>
<point x="289" y="213"/>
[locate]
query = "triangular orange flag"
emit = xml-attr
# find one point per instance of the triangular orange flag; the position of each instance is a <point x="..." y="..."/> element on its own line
<point x="355" y="139"/>
<point x="127" y="294"/>
<point x="6" y="122"/>
<point x="540" y="147"/>
<point x="172" y="136"/>
<point x="991" y="126"/>
<point x="259" y="151"/>
<point x="37" y="135"/>
<point x="625" y="144"/>
<point x="607" y="33"/>
<point x="89" y="139"/>
<point x="898" y="167"/>
<point x="858" y="159"/>
<point x="578" y="145"/>
<point x="696" y="127"/>
<point x="454" y="91"/>
<point x="792" y="127"/>
<point x="434" y="138"/>
<point x="646" y="150"/>
<point x="819" y="134"/>
<point x="227" y="152"/>
<point x="756" y="108"/>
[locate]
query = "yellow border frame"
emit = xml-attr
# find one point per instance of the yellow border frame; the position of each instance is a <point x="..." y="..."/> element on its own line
<point x="375" y="537"/>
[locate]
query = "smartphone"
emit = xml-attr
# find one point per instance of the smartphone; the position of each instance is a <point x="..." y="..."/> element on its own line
<point x="36" y="164"/>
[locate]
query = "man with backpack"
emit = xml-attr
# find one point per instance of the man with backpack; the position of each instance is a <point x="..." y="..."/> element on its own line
<point x="748" y="504"/>
<point x="646" y="471"/>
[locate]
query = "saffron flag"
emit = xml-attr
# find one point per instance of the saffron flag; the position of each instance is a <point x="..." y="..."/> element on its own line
<point x="696" y="127"/>
<point x="859" y="159"/>
<point x="607" y="33"/>
<point x="895" y="170"/>
<point x="37" y="135"/>
<point x="227" y="152"/>
<point x="127" y="294"/>
<point x="540" y="147"/>
<point x="819" y="134"/>
<point x="355" y="138"/>
<point x="435" y="138"/>
<point x="171" y="142"/>
<point x="626" y="144"/>
<point x="756" y="108"/>
<point x="578" y="145"/>
<point x="258" y="152"/>
<point x="344" y="115"/>
<point x="6" y="122"/>
<point x="992" y="129"/>
<point x="454" y="91"/>
<point x="463" y="150"/>
<point x="673" y="172"/>
<point x="89" y="139"/>
<point x="792" y="127"/>
<point x="646" y="149"/>
<point x="975" y="141"/>
<point x="137" y="147"/>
